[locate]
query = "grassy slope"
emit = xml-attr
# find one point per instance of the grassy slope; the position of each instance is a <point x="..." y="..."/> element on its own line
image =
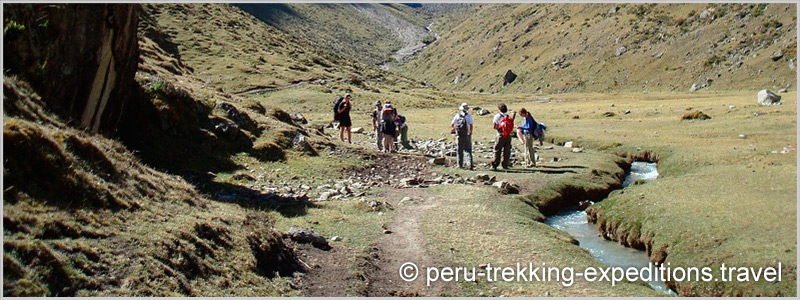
<point x="82" y="216"/>
<point x="497" y="35"/>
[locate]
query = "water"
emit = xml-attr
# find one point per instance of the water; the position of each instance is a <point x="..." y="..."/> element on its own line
<point x="573" y="221"/>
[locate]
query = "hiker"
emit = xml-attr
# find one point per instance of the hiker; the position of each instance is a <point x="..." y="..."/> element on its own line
<point x="538" y="133"/>
<point x="376" y="114"/>
<point x="504" y="124"/>
<point x="461" y="126"/>
<point x="342" y="114"/>
<point x="402" y="131"/>
<point x="525" y="134"/>
<point x="388" y="127"/>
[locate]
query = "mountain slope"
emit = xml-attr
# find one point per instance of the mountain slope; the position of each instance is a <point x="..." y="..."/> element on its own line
<point x="557" y="48"/>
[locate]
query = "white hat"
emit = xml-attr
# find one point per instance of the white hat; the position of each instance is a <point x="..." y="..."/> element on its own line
<point x="464" y="106"/>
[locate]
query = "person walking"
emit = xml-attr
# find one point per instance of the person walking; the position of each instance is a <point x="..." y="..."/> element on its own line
<point x="461" y="126"/>
<point x="376" y="124"/>
<point x="525" y="133"/>
<point x="504" y="124"/>
<point x="344" y="118"/>
<point x="388" y="127"/>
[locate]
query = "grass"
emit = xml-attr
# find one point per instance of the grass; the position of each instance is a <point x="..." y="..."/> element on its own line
<point x="475" y="226"/>
<point x="492" y="38"/>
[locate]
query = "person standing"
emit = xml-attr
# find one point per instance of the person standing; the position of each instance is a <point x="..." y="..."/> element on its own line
<point x="504" y="124"/>
<point x="461" y="126"/>
<point x="344" y="118"/>
<point x="525" y="133"/>
<point x="388" y="127"/>
<point x="376" y="122"/>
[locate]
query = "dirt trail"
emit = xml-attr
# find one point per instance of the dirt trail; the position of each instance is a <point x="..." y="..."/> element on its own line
<point x="330" y="273"/>
<point x="405" y="244"/>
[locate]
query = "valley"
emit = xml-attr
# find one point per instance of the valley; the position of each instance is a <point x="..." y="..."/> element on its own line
<point x="214" y="167"/>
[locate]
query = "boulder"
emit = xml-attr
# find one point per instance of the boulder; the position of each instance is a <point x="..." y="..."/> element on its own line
<point x="568" y="144"/>
<point x="609" y="114"/>
<point x="357" y="129"/>
<point x="766" y="97"/>
<point x="509" y="77"/>
<point x="305" y="235"/>
<point x="694" y="87"/>
<point x="577" y="150"/>
<point x="483" y="112"/>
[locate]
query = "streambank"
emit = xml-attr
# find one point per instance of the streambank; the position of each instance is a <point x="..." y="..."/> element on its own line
<point x="559" y="203"/>
<point x="574" y="221"/>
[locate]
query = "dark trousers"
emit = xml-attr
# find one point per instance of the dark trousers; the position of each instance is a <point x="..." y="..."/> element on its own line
<point x="502" y="146"/>
<point x="464" y="149"/>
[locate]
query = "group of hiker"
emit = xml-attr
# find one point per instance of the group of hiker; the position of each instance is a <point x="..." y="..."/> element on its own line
<point x="528" y="132"/>
<point x="389" y="126"/>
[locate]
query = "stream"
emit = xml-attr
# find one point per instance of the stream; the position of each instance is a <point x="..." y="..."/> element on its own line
<point x="573" y="221"/>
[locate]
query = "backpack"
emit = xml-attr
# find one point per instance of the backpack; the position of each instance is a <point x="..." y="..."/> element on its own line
<point x="336" y="105"/>
<point x="506" y="126"/>
<point x="461" y="126"/>
<point x="387" y="119"/>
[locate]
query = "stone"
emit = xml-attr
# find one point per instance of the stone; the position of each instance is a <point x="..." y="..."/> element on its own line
<point x="325" y="196"/>
<point x="628" y="112"/>
<point x="481" y="177"/>
<point x="695" y="115"/>
<point x="609" y="114"/>
<point x="483" y="112"/>
<point x="621" y="50"/>
<point x="783" y="91"/>
<point x="299" y="118"/>
<point x="568" y="144"/>
<point x="612" y="10"/>
<point x="705" y="14"/>
<point x="357" y="129"/>
<point x="409" y="181"/>
<point x="742" y="136"/>
<point x="509" y="77"/>
<point x="387" y="231"/>
<point x="776" y="55"/>
<point x="336" y="238"/>
<point x="506" y="187"/>
<point x="404" y="200"/>
<point x="230" y="111"/>
<point x="766" y="97"/>
<point x="577" y="150"/>
<point x="438" y="161"/>
<point x="305" y="235"/>
<point x="694" y="87"/>
<point x="584" y="204"/>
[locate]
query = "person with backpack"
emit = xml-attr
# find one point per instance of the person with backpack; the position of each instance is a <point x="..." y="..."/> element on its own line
<point x="400" y="120"/>
<point x="525" y="134"/>
<point x="341" y="109"/>
<point x="538" y="133"/>
<point x="461" y="126"/>
<point x="504" y="124"/>
<point x="388" y="127"/>
<point x="376" y="115"/>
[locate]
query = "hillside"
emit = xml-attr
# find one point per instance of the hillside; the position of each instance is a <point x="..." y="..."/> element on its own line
<point x="557" y="48"/>
<point x="188" y="149"/>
